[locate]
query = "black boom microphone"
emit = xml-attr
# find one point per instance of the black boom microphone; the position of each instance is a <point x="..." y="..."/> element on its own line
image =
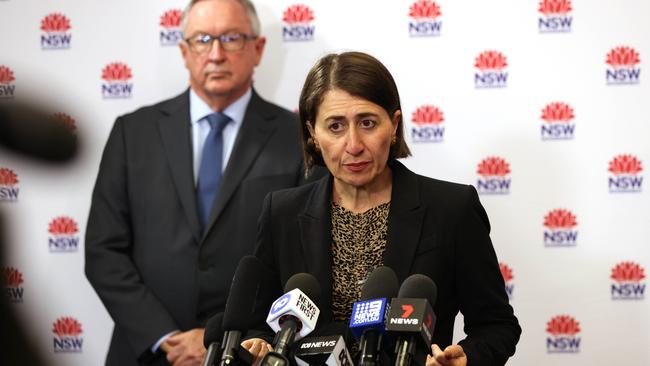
<point x="411" y="320"/>
<point x="212" y="338"/>
<point x="240" y="312"/>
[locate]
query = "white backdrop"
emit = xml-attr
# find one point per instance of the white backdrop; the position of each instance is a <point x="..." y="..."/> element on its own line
<point x="543" y="106"/>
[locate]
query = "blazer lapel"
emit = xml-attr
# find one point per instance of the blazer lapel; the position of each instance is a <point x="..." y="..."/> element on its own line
<point x="253" y="134"/>
<point x="404" y="221"/>
<point x="175" y="135"/>
<point x="315" y="237"/>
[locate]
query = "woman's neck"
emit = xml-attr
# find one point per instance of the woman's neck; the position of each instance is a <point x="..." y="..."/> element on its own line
<point x="362" y="198"/>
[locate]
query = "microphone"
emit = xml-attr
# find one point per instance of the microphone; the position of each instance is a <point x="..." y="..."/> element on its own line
<point x="326" y="350"/>
<point x="239" y="313"/>
<point x="212" y="338"/>
<point x="292" y="316"/>
<point x="412" y="320"/>
<point x="368" y="315"/>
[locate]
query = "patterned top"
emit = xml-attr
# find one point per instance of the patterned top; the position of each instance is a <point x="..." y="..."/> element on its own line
<point x="358" y="245"/>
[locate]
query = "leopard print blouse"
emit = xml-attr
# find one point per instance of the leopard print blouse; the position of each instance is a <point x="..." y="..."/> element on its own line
<point x="358" y="245"/>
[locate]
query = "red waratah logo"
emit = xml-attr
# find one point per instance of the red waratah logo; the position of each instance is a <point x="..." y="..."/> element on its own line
<point x="6" y="75"/>
<point x="490" y="60"/>
<point x="506" y="272"/>
<point x="67" y="327"/>
<point x="557" y="112"/>
<point x="427" y="115"/>
<point x="8" y="177"/>
<point x="560" y="219"/>
<point x="623" y="56"/>
<point x="63" y="225"/>
<point x="171" y="18"/>
<point x="555" y="7"/>
<point x="65" y="119"/>
<point x="424" y="9"/>
<point x="298" y="14"/>
<point x="11" y="277"/>
<point x="563" y="325"/>
<point x="493" y="166"/>
<point x="625" y="164"/>
<point x="627" y="272"/>
<point x="55" y="22"/>
<point x="116" y="72"/>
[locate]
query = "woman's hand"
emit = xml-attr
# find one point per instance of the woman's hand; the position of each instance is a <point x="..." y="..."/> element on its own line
<point x="453" y="355"/>
<point x="257" y="347"/>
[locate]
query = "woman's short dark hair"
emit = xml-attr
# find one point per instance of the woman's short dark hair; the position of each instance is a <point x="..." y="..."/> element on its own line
<point x="358" y="74"/>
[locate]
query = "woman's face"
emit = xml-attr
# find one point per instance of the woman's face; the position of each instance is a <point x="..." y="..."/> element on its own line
<point x="354" y="137"/>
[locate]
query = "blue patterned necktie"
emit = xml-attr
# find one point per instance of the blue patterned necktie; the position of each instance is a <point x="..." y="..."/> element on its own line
<point x="210" y="170"/>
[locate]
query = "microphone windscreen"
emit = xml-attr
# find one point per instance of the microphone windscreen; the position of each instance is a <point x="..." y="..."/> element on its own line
<point x="306" y="283"/>
<point x="243" y="293"/>
<point x="419" y="286"/>
<point x="381" y="283"/>
<point x="213" y="330"/>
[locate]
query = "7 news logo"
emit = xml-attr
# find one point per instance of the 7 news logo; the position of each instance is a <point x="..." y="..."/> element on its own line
<point x="55" y="29"/>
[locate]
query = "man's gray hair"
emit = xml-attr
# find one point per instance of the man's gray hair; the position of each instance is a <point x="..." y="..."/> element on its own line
<point x="251" y="14"/>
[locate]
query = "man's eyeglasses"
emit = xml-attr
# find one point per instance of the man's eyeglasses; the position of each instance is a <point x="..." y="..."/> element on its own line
<point x="202" y="43"/>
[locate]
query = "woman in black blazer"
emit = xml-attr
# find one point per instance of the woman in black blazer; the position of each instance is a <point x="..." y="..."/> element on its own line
<point x="371" y="210"/>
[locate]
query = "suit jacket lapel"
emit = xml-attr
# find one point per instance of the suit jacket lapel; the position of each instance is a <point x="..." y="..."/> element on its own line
<point x="254" y="132"/>
<point x="316" y="236"/>
<point x="175" y="135"/>
<point x="404" y="221"/>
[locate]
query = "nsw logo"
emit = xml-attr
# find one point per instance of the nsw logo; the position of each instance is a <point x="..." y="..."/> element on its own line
<point x="56" y="35"/>
<point x="494" y="179"/>
<point x="623" y="66"/>
<point x="64" y="236"/>
<point x="628" y="282"/>
<point x="427" y="124"/>
<point x="8" y="185"/>
<point x="506" y="273"/>
<point x="65" y="120"/>
<point x="625" y="174"/>
<point x="424" y="21"/>
<point x="554" y="16"/>
<point x="491" y="70"/>
<point x="7" y="88"/>
<point x="560" y="229"/>
<point x="12" y="281"/>
<point x="170" y="31"/>
<point x="67" y="335"/>
<point x="558" y="118"/>
<point x="297" y="19"/>
<point x="117" y="76"/>
<point x="563" y="335"/>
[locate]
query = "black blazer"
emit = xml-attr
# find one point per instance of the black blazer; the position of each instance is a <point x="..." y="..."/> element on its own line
<point x="152" y="267"/>
<point x="435" y="228"/>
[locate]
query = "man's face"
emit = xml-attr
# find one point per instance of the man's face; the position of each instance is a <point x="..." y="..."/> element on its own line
<point x="219" y="73"/>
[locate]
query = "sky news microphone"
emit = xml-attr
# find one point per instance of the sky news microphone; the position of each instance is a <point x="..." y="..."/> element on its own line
<point x="212" y="338"/>
<point x="292" y="316"/>
<point x="411" y="320"/>
<point x="327" y="350"/>
<point x="239" y="313"/>
<point x="369" y="314"/>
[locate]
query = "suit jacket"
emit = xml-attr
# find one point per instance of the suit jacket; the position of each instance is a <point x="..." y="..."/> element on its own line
<point x="435" y="228"/>
<point x="146" y="257"/>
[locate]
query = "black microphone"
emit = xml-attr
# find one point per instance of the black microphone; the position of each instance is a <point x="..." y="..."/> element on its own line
<point x="292" y="316"/>
<point x="239" y="314"/>
<point x="212" y="338"/>
<point x="368" y="315"/>
<point x="325" y="350"/>
<point x="412" y="320"/>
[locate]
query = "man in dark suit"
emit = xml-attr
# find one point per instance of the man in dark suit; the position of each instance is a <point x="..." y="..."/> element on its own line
<point x="180" y="188"/>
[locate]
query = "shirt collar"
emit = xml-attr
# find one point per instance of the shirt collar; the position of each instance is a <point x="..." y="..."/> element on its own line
<point x="199" y="109"/>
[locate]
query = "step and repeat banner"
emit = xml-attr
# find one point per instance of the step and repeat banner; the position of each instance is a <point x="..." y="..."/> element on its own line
<point x="543" y="106"/>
